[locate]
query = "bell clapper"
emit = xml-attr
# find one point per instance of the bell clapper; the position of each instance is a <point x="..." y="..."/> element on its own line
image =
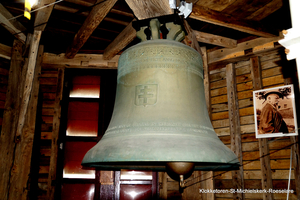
<point x="181" y="182"/>
<point x="181" y="169"/>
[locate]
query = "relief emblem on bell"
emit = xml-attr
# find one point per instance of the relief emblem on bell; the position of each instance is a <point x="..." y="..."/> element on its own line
<point x="146" y="94"/>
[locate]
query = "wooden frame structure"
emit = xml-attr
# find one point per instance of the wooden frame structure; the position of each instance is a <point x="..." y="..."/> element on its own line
<point x="231" y="74"/>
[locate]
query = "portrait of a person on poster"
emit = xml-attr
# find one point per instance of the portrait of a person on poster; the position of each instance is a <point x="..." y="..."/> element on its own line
<point x="275" y="114"/>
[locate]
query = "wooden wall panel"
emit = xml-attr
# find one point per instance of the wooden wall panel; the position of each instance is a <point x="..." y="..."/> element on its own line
<point x="272" y="66"/>
<point x="4" y="71"/>
<point x="48" y="87"/>
<point x="279" y="148"/>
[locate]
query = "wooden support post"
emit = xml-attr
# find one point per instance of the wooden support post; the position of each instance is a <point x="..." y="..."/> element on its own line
<point x="235" y="128"/>
<point x="263" y="143"/>
<point x="296" y="163"/>
<point x="117" y="184"/>
<point x="28" y="81"/>
<point x="163" y="192"/>
<point x="191" y="39"/>
<point x="265" y="167"/>
<point x="5" y="51"/>
<point x="10" y="119"/>
<point x="294" y="139"/>
<point x="20" y="177"/>
<point x="19" y="122"/>
<point x="207" y="176"/>
<point x="55" y="135"/>
<point x="155" y="186"/>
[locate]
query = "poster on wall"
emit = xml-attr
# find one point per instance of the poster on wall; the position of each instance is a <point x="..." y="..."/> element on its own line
<point x="275" y="112"/>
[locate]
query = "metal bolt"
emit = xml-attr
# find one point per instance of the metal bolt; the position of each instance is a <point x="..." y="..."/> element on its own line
<point x="284" y="32"/>
<point x="287" y="51"/>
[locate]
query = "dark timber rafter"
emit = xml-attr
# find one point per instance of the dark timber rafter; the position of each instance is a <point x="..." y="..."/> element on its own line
<point x="95" y="17"/>
<point x="13" y="26"/>
<point x="43" y="15"/>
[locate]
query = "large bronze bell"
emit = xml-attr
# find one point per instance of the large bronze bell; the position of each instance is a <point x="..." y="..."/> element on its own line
<point x="160" y="119"/>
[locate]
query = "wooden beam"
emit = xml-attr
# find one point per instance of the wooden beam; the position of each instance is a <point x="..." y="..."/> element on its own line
<point x="266" y="10"/>
<point x="163" y="182"/>
<point x="265" y="168"/>
<point x="256" y="73"/>
<point x="5" y="51"/>
<point x="262" y="142"/>
<point x="81" y="2"/>
<point x="42" y="16"/>
<point x="117" y="184"/>
<point x="207" y="177"/>
<point x="28" y="80"/>
<point x="13" y="26"/>
<point x="215" y="39"/>
<point x="21" y="176"/>
<point x="290" y="78"/>
<point x="94" y="61"/>
<point x="217" y="18"/>
<point x="296" y="164"/>
<point x="235" y="128"/>
<point x="215" y="5"/>
<point x="86" y="13"/>
<point x="191" y="39"/>
<point x="18" y="153"/>
<point x="206" y="81"/>
<point x="244" y="49"/>
<point x="95" y="17"/>
<point x="87" y="5"/>
<point x="149" y="8"/>
<point x="55" y="136"/>
<point x="121" y="41"/>
<point x="225" y="53"/>
<point x="10" y="118"/>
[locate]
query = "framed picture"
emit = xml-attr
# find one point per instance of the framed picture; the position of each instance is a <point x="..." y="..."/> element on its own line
<point x="275" y="112"/>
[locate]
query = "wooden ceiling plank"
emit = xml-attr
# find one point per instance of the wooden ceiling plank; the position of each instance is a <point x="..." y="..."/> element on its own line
<point x="115" y="21"/>
<point x="121" y="41"/>
<point x="60" y="31"/>
<point x="95" y="17"/>
<point x="149" y="8"/>
<point x="215" y="5"/>
<point x="13" y="26"/>
<point x="86" y="13"/>
<point x="71" y="10"/>
<point x="5" y="51"/>
<point x="240" y="7"/>
<point x="215" y="39"/>
<point x="81" y="2"/>
<point x="42" y="16"/>
<point x="245" y="7"/>
<point x="213" y="17"/>
<point x="119" y="12"/>
<point x="266" y="10"/>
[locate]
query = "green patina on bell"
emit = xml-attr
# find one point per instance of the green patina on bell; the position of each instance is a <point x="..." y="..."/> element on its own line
<point x="160" y="115"/>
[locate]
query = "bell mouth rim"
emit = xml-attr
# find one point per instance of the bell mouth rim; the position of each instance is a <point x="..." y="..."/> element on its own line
<point x="159" y="165"/>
